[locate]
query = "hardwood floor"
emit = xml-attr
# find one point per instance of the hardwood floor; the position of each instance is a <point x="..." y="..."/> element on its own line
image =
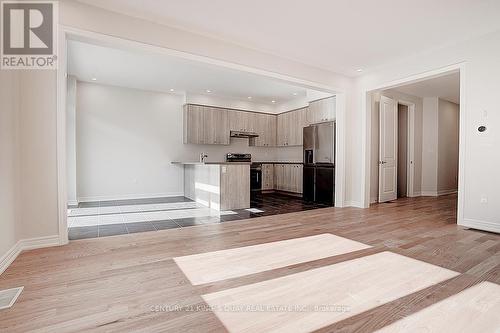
<point x="132" y="283"/>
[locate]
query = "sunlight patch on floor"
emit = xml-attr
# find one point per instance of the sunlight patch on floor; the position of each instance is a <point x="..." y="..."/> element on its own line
<point x="313" y="299"/>
<point x="225" y="264"/>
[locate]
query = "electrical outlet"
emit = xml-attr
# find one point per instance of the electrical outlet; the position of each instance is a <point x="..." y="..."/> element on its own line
<point x="484" y="200"/>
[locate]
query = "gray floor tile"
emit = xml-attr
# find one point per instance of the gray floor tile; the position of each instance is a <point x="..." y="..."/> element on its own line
<point x="166" y="224"/>
<point x="112" y="229"/>
<point x="139" y="227"/>
<point x="88" y="204"/>
<point x="191" y="221"/>
<point x="82" y="232"/>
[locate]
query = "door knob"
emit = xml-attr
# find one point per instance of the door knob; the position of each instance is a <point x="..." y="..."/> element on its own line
<point x="382" y="162"/>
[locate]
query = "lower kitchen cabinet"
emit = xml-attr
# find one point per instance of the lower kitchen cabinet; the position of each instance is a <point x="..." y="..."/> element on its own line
<point x="288" y="177"/>
<point x="267" y="177"/>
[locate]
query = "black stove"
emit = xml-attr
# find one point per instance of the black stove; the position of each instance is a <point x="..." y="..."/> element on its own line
<point x="238" y="157"/>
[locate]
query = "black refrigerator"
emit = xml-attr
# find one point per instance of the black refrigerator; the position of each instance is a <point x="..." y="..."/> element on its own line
<point x="319" y="163"/>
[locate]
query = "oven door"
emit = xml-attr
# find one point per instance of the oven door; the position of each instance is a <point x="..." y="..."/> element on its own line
<point x="256" y="179"/>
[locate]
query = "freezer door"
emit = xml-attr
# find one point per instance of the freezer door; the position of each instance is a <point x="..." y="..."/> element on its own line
<point x="308" y="183"/>
<point x="325" y="143"/>
<point x="325" y="185"/>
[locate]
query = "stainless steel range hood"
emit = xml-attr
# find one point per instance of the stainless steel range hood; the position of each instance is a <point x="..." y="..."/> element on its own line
<point x="240" y="134"/>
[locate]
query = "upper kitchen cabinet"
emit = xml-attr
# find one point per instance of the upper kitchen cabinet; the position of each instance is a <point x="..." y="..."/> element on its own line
<point x="265" y="126"/>
<point x="241" y="121"/>
<point x="205" y="125"/>
<point x="289" y="127"/>
<point x="321" y="110"/>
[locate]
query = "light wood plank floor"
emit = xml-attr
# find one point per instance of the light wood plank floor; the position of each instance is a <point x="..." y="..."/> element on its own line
<point x="132" y="283"/>
<point x="226" y="264"/>
<point x="476" y="309"/>
<point x="309" y="300"/>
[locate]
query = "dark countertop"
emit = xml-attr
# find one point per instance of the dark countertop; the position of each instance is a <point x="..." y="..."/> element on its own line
<point x="277" y="162"/>
<point x="212" y="163"/>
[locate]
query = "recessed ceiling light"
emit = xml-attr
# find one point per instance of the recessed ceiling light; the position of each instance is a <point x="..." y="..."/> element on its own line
<point x="295" y="94"/>
<point x="94" y="79"/>
<point x="249" y="97"/>
<point x="359" y="70"/>
<point x="273" y="101"/>
<point x="208" y="91"/>
<point x="172" y="90"/>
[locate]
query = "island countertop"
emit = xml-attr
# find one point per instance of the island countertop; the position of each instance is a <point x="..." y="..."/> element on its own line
<point x="211" y="163"/>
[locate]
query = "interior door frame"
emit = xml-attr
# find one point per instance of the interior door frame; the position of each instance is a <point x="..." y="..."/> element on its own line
<point x="366" y="121"/>
<point x="66" y="33"/>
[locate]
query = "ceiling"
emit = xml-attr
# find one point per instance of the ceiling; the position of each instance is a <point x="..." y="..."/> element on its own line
<point x="160" y="72"/>
<point x="337" y="35"/>
<point x="445" y="87"/>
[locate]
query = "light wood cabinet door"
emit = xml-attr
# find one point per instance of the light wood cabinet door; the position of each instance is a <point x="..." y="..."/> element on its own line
<point x="205" y="125"/>
<point x="321" y="110"/>
<point x="271" y="130"/>
<point x="300" y="178"/>
<point x="297" y="178"/>
<point x="280" y="130"/>
<point x="193" y="124"/>
<point x="215" y="126"/>
<point x="290" y="126"/>
<point x="284" y="124"/>
<point x="267" y="176"/>
<point x="298" y="120"/>
<point x="288" y="177"/>
<point x="279" y="174"/>
<point x="265" y="126"/>
<point x="241" y="121"/>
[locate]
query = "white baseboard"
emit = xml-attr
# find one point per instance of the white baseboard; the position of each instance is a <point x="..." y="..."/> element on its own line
<point x="24" y="245"/>
<point x="353" y="204"/>
<point x="481" y="225"/>
<point x="437" y="193"/>
<point x="130" y="196"/>
<point x="445" y="192"/>
<point x="10" y="256"/>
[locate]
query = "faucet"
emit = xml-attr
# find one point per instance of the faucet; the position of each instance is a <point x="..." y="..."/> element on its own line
<point x="203" y="156"/>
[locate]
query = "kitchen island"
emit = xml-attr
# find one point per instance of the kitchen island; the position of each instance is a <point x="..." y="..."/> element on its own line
<point x="218" y="185"/>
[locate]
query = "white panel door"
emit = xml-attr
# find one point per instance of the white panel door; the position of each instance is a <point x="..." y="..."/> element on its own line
<point x="388" y="143"/>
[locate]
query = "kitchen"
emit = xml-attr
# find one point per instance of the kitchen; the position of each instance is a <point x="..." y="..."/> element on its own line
<point x="311" y="178"/>
<point x="157" y="142"/>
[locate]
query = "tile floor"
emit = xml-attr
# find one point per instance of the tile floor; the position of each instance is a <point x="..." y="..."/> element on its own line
<point x="109" y="218"/>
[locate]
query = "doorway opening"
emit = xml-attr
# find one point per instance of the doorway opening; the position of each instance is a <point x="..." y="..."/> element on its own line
<point x="124" y="209"/>
<point x="402" y="184"/>
<point x="415" y="139"/>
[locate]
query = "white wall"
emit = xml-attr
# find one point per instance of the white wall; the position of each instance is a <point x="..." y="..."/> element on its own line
<point x="9" y="148"/>
<point x="126" y="140"/>
<point x="448" y="137"/>
<point x="440" y="142"/>
<point x="481" y="208"/>
<point x="71" y="140"/>
<point x="38" y="163"/>
<point x="430" y="146"/>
